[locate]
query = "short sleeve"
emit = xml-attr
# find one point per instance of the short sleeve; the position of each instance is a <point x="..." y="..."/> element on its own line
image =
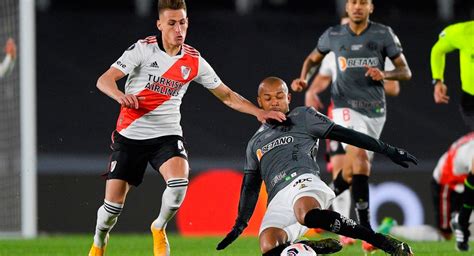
<point x="328" y="65"/>
<point x="251" y="162"/>
<point x="317" y="124"/>
<point x="206" y="75"/>
<point x="133" y="57"/>
<point x="388" y="64"/>
<point x="393" y="47"/>
<point x="324" y="42"/>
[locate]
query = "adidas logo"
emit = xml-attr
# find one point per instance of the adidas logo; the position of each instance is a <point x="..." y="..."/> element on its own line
<point x="154" y="65"/>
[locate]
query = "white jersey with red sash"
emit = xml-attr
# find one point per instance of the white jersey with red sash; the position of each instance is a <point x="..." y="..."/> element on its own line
<point x="454" y="166"/>
<point x="160" y="81"/>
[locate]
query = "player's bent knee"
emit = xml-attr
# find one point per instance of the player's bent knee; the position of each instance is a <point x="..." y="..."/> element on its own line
<point x="271" y="238"/>
<point x="176" y="190"/>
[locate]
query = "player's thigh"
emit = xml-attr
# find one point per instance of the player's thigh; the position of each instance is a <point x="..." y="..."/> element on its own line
<point x="337" y="162"/>
<point x="127" y="162"/>
<point x="170" y="158"/>
<point x="279" y="215"/>
<point x="311" y="186"/>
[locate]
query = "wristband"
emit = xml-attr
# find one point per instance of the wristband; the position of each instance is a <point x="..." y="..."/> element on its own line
<point x="435" y="81"/>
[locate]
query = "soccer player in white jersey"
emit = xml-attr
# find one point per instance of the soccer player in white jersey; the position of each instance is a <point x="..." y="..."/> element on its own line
<point x="334" y="151"/>
<point x="148" y="129"/>
<point x="10" y="55"/>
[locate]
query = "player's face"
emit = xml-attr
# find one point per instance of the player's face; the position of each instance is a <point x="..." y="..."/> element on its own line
<point x="274" y="97"/>
<point x="359" y="10"/>
<point x="173" y="25"/>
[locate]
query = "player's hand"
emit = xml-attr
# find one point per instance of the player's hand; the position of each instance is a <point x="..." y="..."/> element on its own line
<point x="130" y="101"/>
<point x="230" y="237"/>
<point x="441" y="93"/>
<point x="298" y="85"/>
<point x="374" y="73"/>
<point x="10" y="48"/>
<point x="263" y="116"/>
<point x="400" y="156"/>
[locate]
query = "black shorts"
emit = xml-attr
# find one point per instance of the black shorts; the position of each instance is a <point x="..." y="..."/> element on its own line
<point x="467" y="109"/>
<point x="446" y="201"/>
<point x="129" y="158"/>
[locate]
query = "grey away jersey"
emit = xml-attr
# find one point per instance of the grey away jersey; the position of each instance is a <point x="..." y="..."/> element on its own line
<point x="281" y="152"/>
<point x="353" y="52"/>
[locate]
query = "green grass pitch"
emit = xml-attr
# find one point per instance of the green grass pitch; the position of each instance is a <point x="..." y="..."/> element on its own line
<point x="141" y="244"/>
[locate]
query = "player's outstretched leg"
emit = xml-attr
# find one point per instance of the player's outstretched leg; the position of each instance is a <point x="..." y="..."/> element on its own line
<point x="106" y="218"/>
<point x="336" y="223"/>
<point x="172" y="199"/>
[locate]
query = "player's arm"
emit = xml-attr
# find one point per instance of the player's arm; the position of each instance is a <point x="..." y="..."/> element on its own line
<point x="349" y="136"/>
<point x="401" y="71"/>
<point x="438" y="60"/>
<point x="248" y="200"/>
<point x="319" y="84"/>
<point x="310" y="64"/>
<point x="391" y="87"/>
<point x="107" y="83"/>
<point x="239" y="103"/>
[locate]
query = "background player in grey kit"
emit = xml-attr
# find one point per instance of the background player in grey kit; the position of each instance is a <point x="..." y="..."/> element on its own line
<point x="281" y="156"/>
<point x="358" y="94"/>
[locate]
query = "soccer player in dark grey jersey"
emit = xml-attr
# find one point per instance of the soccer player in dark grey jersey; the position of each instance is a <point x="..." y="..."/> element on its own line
<point x="281" y="155"/>
<point x="358" y="94"/>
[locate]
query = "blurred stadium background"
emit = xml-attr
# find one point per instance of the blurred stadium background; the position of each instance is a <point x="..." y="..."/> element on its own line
<point x="244" y="41"/>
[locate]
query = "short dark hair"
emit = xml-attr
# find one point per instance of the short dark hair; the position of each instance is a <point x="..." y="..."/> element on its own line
<point x="171" y="4"/>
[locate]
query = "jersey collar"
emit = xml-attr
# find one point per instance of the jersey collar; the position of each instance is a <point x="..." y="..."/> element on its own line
<point x="162" y="48"/>
<point x="348" y="28"/>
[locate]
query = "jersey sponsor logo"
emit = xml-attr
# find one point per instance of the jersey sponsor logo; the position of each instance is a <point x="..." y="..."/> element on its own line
<point x="154" y="65"/>
<point x="356" y="62"/>
<point x="185" y="71"/>
<point x="121" y="64"/>
<point x="356" y="47"/>
<point x="273" y="144"/>
<point x="163" y="85"/>
<point x="277" y="178"/>
<point x="302" y="181"/>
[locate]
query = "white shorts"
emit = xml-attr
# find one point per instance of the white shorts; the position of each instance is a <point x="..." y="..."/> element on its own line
<point x="354" y="120"/>
<point x="280" y="212"/>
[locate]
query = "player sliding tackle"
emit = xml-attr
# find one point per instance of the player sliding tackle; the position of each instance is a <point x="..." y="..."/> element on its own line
<point x="282" y="155"/>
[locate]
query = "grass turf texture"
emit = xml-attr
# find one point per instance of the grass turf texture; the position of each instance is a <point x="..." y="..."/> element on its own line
<point x="141" y="244"/>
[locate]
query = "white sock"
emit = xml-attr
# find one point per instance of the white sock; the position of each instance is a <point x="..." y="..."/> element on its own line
<point x="106" y="218"/>
<point x="172" y="198"/>
<point x="342" y="203"/>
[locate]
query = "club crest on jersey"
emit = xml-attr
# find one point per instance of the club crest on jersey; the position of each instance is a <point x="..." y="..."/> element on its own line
<point x="185" y="71"/>
<point x="273" y="144"/>
<point x="112" y="165"/>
